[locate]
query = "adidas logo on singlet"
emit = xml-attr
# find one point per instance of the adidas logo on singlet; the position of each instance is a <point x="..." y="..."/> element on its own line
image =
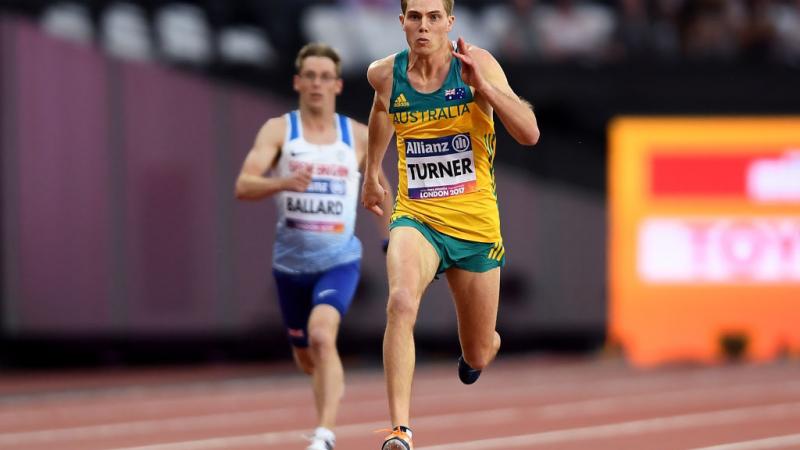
<point x="401" y="102"/>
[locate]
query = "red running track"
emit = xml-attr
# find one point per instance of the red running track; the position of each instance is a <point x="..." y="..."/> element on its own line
<point x="519" y="403"/>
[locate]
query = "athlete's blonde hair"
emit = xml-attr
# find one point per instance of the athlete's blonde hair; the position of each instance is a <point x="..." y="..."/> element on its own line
<point x="448" y="6"/>
<point x="318" y="49"/>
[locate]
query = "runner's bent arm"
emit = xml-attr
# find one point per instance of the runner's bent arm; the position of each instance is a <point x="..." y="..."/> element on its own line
<point x="252" y="184"/>
<point x="482" y="71"/>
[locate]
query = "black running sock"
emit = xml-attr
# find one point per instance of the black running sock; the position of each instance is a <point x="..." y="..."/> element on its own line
<point x="405" y="430"/>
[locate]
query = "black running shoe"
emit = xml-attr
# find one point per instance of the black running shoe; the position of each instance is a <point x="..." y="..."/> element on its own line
<point x="467" y="374"/>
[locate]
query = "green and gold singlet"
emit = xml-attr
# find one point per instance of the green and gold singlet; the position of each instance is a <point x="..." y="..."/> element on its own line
<point x="446" y="148"/>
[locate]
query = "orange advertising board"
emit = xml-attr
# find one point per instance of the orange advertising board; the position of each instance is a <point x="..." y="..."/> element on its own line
<point x="704" y="237"/>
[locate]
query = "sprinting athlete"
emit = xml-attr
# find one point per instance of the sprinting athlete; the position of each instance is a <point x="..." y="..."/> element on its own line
<point x="309" y="160"/>
<point x="439" y="99"/>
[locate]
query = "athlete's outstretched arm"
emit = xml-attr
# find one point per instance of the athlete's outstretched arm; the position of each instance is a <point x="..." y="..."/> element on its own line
<point x="380" y="131"/>
<point x="252" y="184"/>
<point x="481" y="70"/>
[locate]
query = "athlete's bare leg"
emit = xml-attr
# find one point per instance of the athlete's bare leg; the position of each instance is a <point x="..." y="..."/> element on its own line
<point x="302" y="357"/>
<point x="321" y="360"/>
<point x="411" y="263"/>
<point x="476" y="296"/>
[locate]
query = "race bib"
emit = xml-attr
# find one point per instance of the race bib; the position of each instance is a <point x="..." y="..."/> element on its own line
<point x="440" y="167"/>
<point x="320" y="208"/>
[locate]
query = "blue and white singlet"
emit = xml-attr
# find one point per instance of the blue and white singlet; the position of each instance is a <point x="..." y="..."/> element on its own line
<point x="315" y="228"/>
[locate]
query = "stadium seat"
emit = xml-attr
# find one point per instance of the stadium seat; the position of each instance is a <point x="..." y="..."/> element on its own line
<point x="184" y="34"/>
<point x="69" y="21"/>
<point x="245" y="45"/>
<point x="125" y="32"/>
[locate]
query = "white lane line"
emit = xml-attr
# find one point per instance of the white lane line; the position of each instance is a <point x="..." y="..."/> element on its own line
<point x="684" y="421"/>
<point x="218" y="422"/>
<point x="679" y="397"/>
<point x="758" y="444"/>
<point x="358" y="429"/>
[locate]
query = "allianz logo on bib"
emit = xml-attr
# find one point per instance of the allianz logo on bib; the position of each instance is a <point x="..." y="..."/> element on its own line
<point x="445" y="145"/>
<point x="323" y="186"/>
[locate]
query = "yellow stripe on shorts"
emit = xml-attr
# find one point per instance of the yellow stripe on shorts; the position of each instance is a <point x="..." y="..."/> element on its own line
<point x="497" y="251"/>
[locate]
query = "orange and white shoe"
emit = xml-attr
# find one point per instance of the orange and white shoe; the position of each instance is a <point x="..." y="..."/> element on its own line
<point x="400" y="439"/>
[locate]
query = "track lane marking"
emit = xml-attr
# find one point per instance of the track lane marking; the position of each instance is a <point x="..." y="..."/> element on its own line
<point x="757" y="444"/>
<point x="634" y="427"/>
